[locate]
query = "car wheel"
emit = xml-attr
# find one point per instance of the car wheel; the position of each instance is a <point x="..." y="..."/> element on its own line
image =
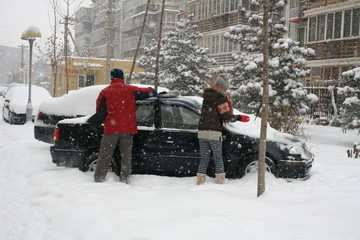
<point x="11" y="118"/>
<point x="91" y="161"/>
<point x="4" y="117"/>
<point x="249" y="165"/>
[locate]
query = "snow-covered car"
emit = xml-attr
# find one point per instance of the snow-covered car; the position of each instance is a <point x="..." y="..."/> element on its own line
<point x="76" y="103"/>
<point x="3" y="91"/>
<point x="167" y="143"/>
<point x="16" y="99"/>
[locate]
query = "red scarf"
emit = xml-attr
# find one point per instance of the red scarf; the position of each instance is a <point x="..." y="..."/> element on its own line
<point x="226" y="96"/>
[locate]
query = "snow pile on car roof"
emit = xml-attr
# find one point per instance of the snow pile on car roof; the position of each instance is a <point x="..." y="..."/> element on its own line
<point x="18" y="96"/>
<point x="78" y="102"/>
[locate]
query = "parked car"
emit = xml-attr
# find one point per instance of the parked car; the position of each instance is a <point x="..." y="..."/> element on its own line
<point x="3" y="91"/>
<point x="167" y="143"/>
<point x="76" y="103"/>
<point x="322" y="121"/>
<point x="16" y="99"/>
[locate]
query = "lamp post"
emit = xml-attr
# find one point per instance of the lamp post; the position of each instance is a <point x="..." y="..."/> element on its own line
<point x="30" y="34"/>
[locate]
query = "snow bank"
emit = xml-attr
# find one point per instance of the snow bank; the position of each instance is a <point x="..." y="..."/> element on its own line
<point x="40" y="201"/>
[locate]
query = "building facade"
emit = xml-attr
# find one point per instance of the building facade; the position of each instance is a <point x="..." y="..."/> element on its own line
<point x="82" y="72"/>
<point x="14" y="65"/>
<point x="132" y="21"/>
<point x="332" y="29"/>
<point x="126" y="20"/>
<point x="214" y="18"/>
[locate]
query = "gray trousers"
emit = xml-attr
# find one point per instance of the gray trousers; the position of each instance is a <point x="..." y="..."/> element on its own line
<point x="108" y="144"/>
<point x="206" y="147"/>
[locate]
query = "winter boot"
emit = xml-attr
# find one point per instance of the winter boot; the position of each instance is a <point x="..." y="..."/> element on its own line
<point x="201" y="178"/>
<point x="220" y="178"/>
<point x="124" y="180"/>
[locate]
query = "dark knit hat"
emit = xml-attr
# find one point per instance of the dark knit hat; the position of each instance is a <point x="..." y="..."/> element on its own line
<point x="222" y="82"/>
<point x="117" y="73"/>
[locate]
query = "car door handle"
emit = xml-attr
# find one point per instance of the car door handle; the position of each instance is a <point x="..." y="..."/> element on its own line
<point x="169" y="141"/>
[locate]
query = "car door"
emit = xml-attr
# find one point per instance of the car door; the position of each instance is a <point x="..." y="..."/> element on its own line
<point x="145" y="147"/>
<point x="178" y="151"/>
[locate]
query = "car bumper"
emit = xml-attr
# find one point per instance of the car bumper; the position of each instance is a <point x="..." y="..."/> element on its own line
<point x="19" y="118"/>
<point x="295" y="169"/>
<point x="67" y="158"/>
<point x="44" y="134"/>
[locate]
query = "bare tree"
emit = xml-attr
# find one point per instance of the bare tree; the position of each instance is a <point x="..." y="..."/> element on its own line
<point x="51" y="52"/>
<point x="265" y="102"/>
<point x="159" y="46"/>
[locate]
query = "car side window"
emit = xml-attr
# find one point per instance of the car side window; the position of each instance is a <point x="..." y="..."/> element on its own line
<point x="145" y="115"/>
<point x="179" y="117"/>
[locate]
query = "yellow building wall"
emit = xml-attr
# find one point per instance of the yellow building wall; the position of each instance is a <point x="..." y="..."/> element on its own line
<point x="68" y="78"/>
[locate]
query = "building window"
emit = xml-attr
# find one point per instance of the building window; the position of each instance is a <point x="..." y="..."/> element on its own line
<point x="334" y="25"/>
<point x="330" y="26"/>
<point x="301" y="36"/>
<point x="337" y="29"/>
<point x="347" y="23"/>
<point x="85" y="80"/>
<point x="312" y="29"/>
<point x="321" y="28"/>
<point x="356" y="22"/>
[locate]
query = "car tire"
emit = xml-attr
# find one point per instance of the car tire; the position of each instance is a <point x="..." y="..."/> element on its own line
<point x="249" y="165"/>
<point x="11" y="118"/>
<point x="4" y="116"/>
<point x="91" y="160"/>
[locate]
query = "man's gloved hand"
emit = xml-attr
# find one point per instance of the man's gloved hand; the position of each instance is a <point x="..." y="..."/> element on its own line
<point x="242" y="118"/>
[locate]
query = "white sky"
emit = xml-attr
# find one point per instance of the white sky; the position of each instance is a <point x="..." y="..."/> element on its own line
<point x="17" y="15"/>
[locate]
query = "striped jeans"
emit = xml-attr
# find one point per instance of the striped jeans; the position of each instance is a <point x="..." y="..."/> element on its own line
<point x="214" y="146"/>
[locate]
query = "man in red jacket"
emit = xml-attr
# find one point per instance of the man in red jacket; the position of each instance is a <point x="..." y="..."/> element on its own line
<point x="116" y="107"/>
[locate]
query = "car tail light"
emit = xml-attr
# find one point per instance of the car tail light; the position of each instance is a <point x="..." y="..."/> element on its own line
<point x="56" y="134"/>
<point x="38" y="116"/>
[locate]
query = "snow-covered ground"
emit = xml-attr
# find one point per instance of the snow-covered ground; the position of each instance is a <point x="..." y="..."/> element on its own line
<point x="39" y="201"/>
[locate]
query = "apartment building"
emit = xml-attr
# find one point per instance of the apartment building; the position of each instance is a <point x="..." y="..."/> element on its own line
<point x="132" y="21"/>
<point x="11" y="63"/>
<point x="214" y="18"/>
<point x="83" y="29"/>
<point x="333" y="31"/>
<point x="92" y="26"/>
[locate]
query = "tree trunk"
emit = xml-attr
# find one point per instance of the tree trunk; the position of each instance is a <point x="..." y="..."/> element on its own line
<point x="139" y="42"/>
<point x="108" y="41"/>
<point x="265" y="103"/>
<point x="158" y="47"/>
<point x="333" y="103"/>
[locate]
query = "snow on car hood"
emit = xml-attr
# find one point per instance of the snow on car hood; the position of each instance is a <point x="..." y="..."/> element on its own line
<point x="78" y="102"/>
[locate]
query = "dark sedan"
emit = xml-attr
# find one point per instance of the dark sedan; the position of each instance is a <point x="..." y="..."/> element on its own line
<point x="77" y="103"/>
<point x="167" y="143"/>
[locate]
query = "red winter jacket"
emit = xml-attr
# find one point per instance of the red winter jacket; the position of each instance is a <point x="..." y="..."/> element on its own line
<point x="118" y="102"/>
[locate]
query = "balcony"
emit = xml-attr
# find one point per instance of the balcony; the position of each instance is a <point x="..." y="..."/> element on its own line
<point x="322" y="3"/>
<point x="296" y="15"/>
<point x="222" y="21"/>
<point x="336" y="49"/>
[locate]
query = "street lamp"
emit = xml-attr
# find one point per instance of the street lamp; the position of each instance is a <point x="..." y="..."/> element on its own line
<point x="30" y="34"/>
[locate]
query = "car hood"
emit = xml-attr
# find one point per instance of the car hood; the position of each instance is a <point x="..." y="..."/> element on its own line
<point x="252" y="129"/>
